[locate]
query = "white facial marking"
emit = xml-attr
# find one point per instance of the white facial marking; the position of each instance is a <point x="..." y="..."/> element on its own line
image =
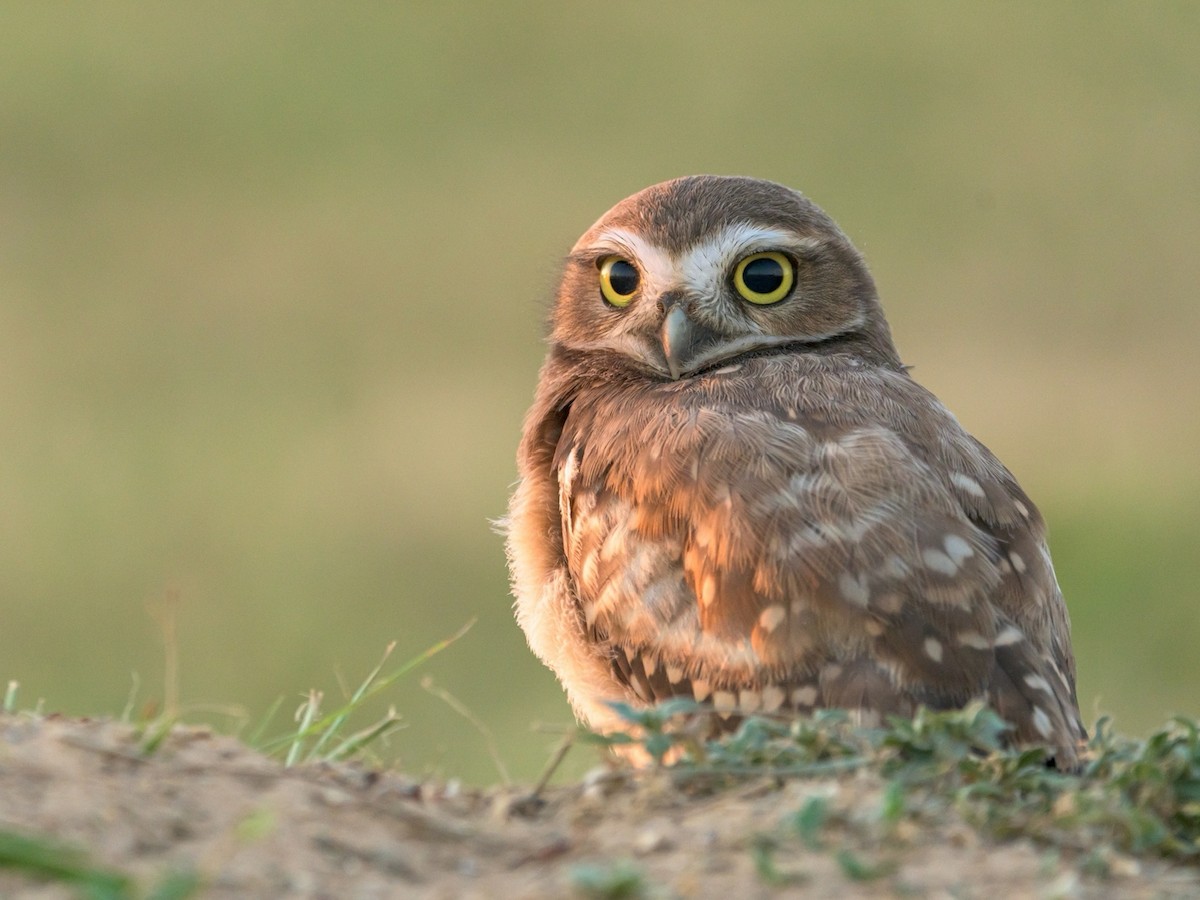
<point x="706" y="265"/>
<point x="933" y="649"/>
<point x="656" y="268"/>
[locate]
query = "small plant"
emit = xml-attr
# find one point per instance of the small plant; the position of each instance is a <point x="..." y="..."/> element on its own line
<point x="53" y="861"/>
<point x="620" y="880"/>
<point x="325" y="730"/>
<point x="1131" y="796"/>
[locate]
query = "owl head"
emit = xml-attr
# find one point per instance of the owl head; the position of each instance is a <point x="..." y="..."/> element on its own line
<point x="687" y="275"/>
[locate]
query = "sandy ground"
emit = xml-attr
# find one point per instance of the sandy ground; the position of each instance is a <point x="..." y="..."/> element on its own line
<point x="252" y="828"/>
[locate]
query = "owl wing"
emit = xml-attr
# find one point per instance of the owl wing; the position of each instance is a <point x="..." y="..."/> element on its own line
<point x="793" y="533"/>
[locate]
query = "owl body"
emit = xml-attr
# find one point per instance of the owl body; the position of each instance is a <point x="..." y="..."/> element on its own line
<point x="731" y="489"/>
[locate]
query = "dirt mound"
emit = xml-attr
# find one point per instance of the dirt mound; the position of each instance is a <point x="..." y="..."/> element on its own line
<point x="202" y="808"/>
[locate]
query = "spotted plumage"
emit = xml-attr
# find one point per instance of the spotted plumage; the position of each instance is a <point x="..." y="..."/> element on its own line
<point x="731" y="489"/>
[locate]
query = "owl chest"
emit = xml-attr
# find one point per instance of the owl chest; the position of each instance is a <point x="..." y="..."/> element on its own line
<point x="665" y="499"/>
<point x="671" y="461"/>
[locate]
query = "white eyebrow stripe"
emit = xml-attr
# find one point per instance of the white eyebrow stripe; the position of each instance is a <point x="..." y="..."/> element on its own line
<point x="658" y="268"/>
<point x="705" y="264"/>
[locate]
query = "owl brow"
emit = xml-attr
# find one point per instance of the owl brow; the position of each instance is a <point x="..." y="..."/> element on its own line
<point x="589" y="257"/>
<point x="797" y="246"/>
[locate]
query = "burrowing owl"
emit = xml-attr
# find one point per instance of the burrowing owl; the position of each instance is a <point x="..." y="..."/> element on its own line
<point x="731" y="489"/>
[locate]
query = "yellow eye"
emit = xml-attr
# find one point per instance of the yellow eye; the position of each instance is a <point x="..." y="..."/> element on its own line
<point x="764" y="278"/>
<point x="618" y="280"/>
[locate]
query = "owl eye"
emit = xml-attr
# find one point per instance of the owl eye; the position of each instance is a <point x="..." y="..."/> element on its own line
<point x="764" y="278"/>
<point x="618" y="280"/>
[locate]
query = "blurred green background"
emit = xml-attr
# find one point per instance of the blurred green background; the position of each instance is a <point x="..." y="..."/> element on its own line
<point x="272" y="281"/>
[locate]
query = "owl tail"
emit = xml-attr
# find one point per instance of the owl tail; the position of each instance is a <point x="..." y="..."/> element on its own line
<point x="1031" y="693"/>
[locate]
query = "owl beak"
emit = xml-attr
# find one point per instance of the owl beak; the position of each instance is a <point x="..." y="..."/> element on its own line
<point x="684" y="342"/>
<point x="676" y="340"/>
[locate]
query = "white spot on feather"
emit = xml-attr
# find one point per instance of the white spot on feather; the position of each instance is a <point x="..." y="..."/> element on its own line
<point x="854" y="589"/>
<point x="1038" y="683"/>
<point x="968" y="485"/>
<point x="974" y="640"/>
<point x="804" y="696"/>
<point x="890" y="603"/>
<point x="772" y="697"/>
<point x="724" y="702"/>
<point x="1010" y="635"/>
<point x="1041" y="722"/>
<point x="957" y="548"/>
<point x="1018" y="562"/>
<point x="939" y="562"/>
<point x="895" y="567"/>
<point x="933" y="649"/>
<point x="771" y="618"/>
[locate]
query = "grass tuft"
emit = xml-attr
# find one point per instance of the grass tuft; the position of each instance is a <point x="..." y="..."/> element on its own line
<point x="1136" y="797"/>
<point x="54" y="861"/>
<point x="620" y="880"/>
<point x="326" y="731"/>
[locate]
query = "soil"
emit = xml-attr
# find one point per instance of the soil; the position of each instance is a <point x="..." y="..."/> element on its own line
<point x="251" y="828"/>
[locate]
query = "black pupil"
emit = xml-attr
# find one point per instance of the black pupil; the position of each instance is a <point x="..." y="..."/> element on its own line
<point x="623" y="277"/>
<point x="763" y="275"/>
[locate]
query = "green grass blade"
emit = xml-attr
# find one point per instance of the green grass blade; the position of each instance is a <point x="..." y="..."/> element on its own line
<point x="51" y="860"/>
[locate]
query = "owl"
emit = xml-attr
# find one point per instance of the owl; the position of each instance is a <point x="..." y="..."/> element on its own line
<point x="730" y="489"/>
